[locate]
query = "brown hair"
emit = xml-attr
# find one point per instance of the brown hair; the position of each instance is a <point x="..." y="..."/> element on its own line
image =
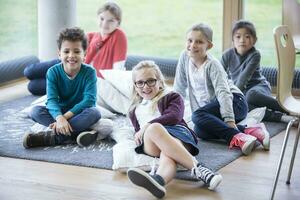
<point x="113" y="8"/>
<point x="204" y="29"/>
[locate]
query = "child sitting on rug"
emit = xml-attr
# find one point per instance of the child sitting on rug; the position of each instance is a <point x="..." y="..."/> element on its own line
<point x="157" y="117"/>
<point x="71" y="96"/>
<point x="242" y="63"/>
<point x="217" y="104"/>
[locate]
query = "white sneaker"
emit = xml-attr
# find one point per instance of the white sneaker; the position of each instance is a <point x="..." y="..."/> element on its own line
<point x="211" y="179"/>
<point x="104" y="128"/>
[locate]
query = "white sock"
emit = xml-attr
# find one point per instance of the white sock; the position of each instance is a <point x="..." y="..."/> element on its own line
<point x="104" y="127"/>
<point x="286" y="118"/>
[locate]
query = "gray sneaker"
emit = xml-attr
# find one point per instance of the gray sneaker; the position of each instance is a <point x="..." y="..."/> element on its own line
<point x="86" y="138"/>
<point x="145" y="180"/>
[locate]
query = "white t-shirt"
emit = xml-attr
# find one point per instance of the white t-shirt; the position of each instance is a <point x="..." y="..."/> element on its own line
<point x="198" y="83"/>
<point x="144" y="112"/>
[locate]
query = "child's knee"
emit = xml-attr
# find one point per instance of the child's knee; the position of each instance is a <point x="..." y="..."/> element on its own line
<point x="35" y="112"/>
<point x="94" y="113"/>
<point x="197" y="115"/>
<point x="251" y="96"/>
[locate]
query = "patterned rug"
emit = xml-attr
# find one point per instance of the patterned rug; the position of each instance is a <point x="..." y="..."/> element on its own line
<point x="14" y="124"/>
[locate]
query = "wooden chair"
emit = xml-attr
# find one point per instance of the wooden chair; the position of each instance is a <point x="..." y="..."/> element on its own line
<point x="285" y="50"/>
<point x="291" y="18"/>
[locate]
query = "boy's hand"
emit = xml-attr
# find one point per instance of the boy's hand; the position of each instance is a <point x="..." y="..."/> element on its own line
<point x="63" y="126"/>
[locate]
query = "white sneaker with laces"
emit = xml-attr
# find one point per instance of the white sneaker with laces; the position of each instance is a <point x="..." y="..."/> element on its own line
<point x="211" y="179"/>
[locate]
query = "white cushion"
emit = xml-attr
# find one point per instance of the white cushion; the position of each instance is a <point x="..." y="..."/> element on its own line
<point x="124" y="155"/>
<point x="111" y="98"/>
<point x="120" y="79"/>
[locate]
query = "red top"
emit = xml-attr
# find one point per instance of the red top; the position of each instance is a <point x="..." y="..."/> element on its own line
<point x="103" y="52"/>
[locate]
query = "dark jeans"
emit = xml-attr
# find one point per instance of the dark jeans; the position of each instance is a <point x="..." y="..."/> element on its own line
<point x="79" y="123"/>
<point x="210" y="125"/>
<point x="260" y="96"/>
<point x="36" y="73"/>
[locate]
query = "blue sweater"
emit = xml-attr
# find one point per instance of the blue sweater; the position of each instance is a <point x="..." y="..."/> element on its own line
<point x="74" y="95"/>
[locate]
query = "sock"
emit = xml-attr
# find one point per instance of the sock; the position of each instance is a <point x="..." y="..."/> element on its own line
<point x="286" y="118"/>
<point x="159" y="179"/>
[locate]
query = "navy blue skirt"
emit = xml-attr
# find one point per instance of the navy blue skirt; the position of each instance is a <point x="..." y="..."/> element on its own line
<point x="181" y="133"/>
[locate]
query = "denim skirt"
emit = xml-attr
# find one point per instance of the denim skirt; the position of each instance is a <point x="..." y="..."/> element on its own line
<point x="181" y="133"/>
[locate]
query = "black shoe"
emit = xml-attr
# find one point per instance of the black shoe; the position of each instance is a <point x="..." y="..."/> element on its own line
<point x="43" y="138"/>
<point x="143" y="179"/>
<point x="86" y="138"/>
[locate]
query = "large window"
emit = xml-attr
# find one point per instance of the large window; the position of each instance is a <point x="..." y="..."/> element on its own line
<point x="18" y="32"/>
<point x="265" y="15"/>
<point x="156" y="27"/>
<point x="153" y="27"/>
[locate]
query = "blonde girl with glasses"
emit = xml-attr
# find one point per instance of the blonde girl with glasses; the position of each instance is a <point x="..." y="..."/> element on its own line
<point x="160" y="131"/>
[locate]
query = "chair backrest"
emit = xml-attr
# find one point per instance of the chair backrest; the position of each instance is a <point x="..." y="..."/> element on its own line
<point x="285" y="50"/>
<point x="291" y="18"/>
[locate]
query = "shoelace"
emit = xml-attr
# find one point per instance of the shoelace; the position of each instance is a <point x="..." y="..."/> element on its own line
<point x="236" y="141"/>
<point x="202" y="173"/>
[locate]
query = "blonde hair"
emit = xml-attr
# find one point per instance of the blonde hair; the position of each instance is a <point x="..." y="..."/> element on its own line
<point x="147" y="65"/>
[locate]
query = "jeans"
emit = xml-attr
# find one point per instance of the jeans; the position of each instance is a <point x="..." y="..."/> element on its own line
<point x="79" y="123"/>
<point x="210" y="125"/>
<point x="260" y="96"/>
<point x="36" y="73"/>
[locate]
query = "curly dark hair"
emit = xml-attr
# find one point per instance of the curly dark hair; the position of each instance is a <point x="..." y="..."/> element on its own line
<point x="72" y="34"/>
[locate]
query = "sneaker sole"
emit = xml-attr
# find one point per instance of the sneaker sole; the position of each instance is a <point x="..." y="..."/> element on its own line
<point x="25" y="142"/>
<point x="142" y="179"/>
<point x="266" y="141"/>
<point x="248" y="146"/>
<point x="215" y="181"/>
<point x="86" y="138"/>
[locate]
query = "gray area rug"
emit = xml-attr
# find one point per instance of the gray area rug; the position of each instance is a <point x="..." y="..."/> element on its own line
<point x="13" y="126"/>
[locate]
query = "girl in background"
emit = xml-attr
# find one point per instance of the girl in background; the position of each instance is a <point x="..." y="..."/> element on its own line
<point x="242" y="63"/>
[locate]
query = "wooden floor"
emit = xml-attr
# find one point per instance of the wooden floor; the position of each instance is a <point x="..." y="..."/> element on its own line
<point x="246" y="178"/>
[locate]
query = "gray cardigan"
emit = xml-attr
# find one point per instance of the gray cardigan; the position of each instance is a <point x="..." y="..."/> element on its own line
<point x="244" y="70"/>
<point x="217" y="84"/>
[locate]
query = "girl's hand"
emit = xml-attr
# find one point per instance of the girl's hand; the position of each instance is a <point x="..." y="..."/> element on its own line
<point x="138" y="137"/>
<point x="231" y="124"/>
<point x="63" y="126"/>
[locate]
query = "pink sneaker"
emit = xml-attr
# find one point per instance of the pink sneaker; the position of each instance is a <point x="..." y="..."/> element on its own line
<point x="244" y="142"/>
<point x="261" y="133"/>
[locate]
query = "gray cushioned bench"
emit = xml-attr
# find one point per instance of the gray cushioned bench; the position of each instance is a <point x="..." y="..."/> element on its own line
<point x="13" y="69"/>
<point x="168" y="68"/>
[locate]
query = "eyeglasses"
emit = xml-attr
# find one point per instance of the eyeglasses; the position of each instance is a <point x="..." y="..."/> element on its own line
<point x="149" y="82"/>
